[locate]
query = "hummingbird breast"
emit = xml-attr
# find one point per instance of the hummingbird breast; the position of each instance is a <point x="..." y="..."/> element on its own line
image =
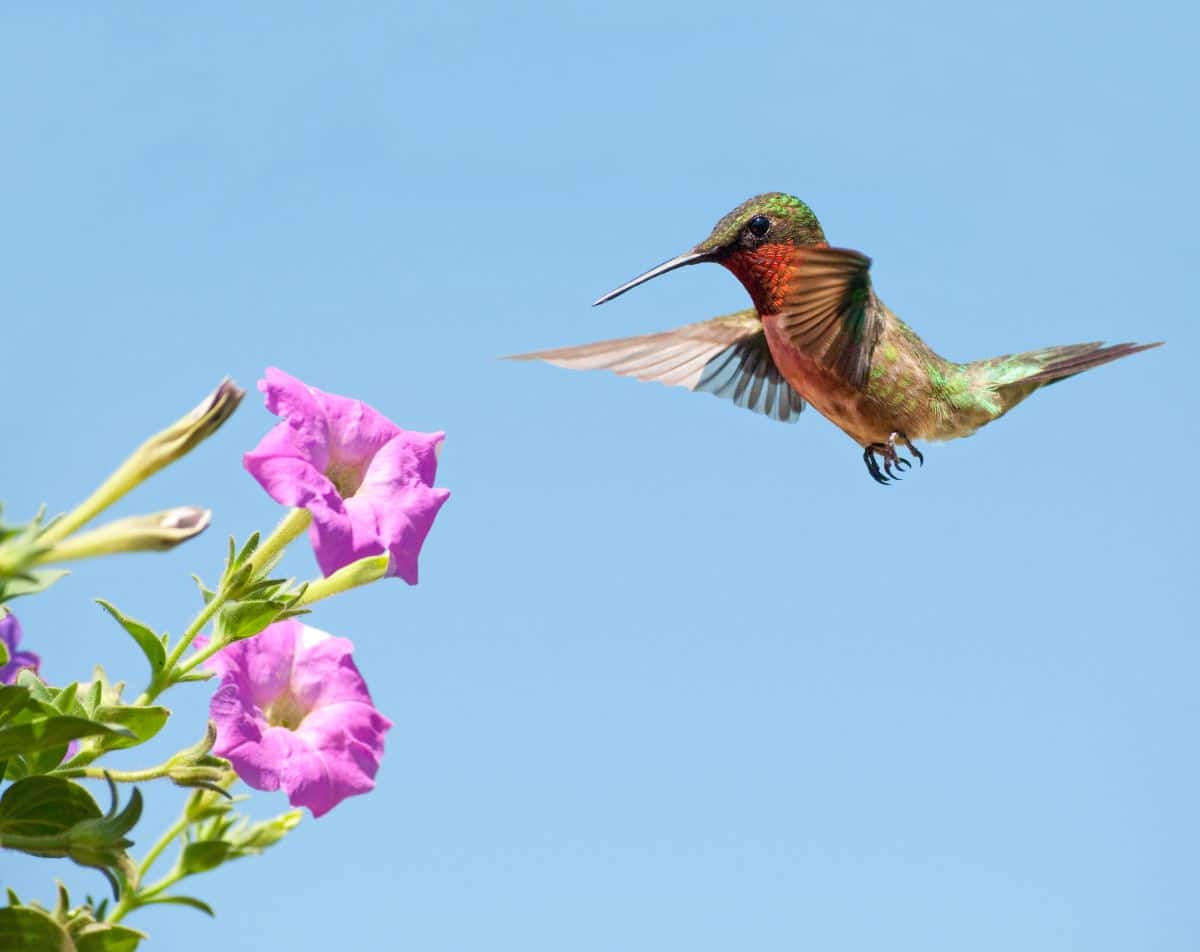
<point x="897" y="397"/>
<point x="830" y="394"/>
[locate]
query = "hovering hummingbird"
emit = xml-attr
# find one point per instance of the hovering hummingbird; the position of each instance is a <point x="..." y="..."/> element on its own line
<point x="818" y="334"/>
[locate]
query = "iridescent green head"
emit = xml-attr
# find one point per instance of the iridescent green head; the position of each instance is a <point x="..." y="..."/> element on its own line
<point x="769" y="218"/>
<point x="772" y="219"/>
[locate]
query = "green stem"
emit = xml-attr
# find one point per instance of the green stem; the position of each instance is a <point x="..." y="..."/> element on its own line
<point x="268" y="552"/>
<point x="119" y="776"/>
<point x="122" y="480"/>
<point x="266" y="555"/>
<point x="129" y="900"/>
<point x="168" y="674"/>
<point x="201" y="656"/>
<point x="161" y="886"/>
<point x="17" y="841"/>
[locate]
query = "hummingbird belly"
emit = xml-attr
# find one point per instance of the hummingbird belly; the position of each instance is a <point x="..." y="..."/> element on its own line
<point x="859" y="415"/>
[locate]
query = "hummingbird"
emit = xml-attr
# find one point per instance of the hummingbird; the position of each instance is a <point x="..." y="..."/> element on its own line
<point x="818" y="334"/>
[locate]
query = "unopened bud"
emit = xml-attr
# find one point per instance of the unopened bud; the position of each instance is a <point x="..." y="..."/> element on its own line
<point x="155" y="532"/>
<point x="363" y="572"/>
<point x="160" y="450"/>
<point x="185" y="434"/>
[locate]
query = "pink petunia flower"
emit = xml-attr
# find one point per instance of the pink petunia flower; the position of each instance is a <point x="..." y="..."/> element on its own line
<point x="293" y="713"/>
<point x="367" y="483"/>
<point x="10" y="634"/>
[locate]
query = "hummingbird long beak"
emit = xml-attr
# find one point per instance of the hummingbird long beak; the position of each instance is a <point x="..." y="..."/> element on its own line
<point x="690" y="257"/>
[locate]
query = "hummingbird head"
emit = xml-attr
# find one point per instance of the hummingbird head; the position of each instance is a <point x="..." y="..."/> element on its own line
<point x="755" y="241"/>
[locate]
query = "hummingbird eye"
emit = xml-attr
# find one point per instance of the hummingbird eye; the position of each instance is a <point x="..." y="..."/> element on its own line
<point x="758" y="226"/>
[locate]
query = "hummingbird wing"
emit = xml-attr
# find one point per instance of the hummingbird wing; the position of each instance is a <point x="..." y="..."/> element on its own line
<point x="830" y="311"/>
<point x="726" y="356"/>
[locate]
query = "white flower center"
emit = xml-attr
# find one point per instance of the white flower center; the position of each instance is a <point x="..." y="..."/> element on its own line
<point x="286" y="711"/>
<point x="346" y="477"/>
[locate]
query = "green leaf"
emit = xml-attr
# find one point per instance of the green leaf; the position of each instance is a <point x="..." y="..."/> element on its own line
<point x="95" y="692"/>
<point x="44" y="806"/>
<point x="145" y="637"/>
<point x="13" y="699"/>
<point x="203" y="855"/>
<point x="38" y="689"/>
<point x="206" y="593"/>
<point x="181" y="901"/>
<point x="239" y="620"/>
<point x="106" y="937"/>
<point x="43" y="732"/>
<point x="250" y="547"/>
<point x="53" y="817"/>
<point x="4" y="655"/>
<point x="23" y="929"/>
<point x="64" y="699"/>
<point x="256" y="837"/>
<point x="30" y="583"/>
<point x="141" y="723"/>
<point x="44" y="761"/>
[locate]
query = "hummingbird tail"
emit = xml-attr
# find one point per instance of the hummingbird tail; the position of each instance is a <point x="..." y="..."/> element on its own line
<point x="1014" y="377"/>
<point x="1053" y="364"/>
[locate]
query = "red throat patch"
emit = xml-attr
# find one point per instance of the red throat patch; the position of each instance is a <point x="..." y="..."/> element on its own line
<point x="763" y="272"/>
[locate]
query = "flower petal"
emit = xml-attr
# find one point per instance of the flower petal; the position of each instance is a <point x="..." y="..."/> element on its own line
<point x="333" y="750"/>
<point x="298" y="406"/>
<point x="339" y="539"/>
<point x="10" y="634"/>
<point x="398" y="499"/>
<point x="357" y="431"/>
<point x="367" y="482"/>
<point x="342" y="748"/>
<point x="286" y="475"/>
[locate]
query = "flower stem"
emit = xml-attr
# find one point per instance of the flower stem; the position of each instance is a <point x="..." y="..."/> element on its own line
<point x="201" y="655"/>
<point x="130" y="898"/>
<point x="119" y="776"/>
<point x="168" y="674"/>
<point x="123" y="479"/>
<point x="271" y="548"/>
<point x="266" y="555"/>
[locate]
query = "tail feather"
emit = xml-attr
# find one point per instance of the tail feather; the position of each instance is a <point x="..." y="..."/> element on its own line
<point x="1018" y="375"/>
<point x="1059" y="363"/>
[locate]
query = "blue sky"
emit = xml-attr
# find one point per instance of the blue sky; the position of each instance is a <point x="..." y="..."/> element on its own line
<point x="676" y="676"/>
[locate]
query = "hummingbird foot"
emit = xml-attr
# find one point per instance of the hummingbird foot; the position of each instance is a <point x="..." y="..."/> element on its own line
<point x="908" y="446"/>
<point x="873" y="452"/>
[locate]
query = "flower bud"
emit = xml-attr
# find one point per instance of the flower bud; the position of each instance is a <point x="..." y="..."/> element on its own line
<point x="186" y="433"/>
<point x="155" y="532"/>
<point x="363" y="572"/>
<point x="160" y="450"/>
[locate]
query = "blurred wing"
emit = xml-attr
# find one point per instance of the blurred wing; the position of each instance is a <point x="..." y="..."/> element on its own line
<point x="726" y="356"/>
<point x="830" y="311"/>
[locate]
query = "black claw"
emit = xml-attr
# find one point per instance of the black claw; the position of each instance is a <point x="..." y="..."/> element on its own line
<point x="902" y="464"/>
<point x="912" y="449"/>
<point x="873" y="466"/>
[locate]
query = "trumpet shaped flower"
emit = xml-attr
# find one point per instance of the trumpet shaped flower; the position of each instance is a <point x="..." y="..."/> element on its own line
<point x="10" y="634"/>
<point x="367" y="482"/>
<point x="293" y="713"/>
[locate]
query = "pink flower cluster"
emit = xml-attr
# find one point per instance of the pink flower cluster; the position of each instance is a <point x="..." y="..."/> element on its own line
<point x="292" y="710"/>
